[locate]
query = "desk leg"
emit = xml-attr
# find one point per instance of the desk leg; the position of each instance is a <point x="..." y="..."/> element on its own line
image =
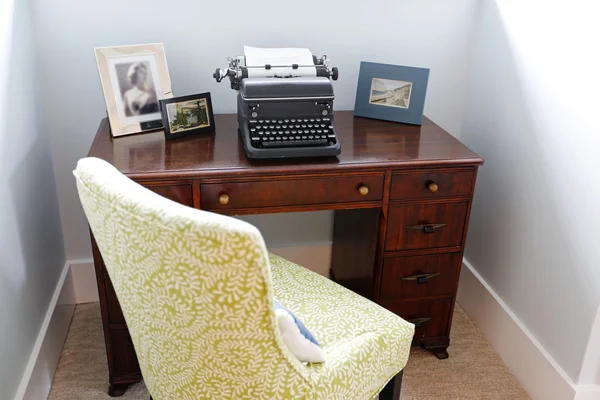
<point x="123" y="368"/>
<point x="117" y="389"/>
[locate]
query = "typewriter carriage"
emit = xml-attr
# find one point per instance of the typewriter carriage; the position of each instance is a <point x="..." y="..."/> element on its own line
<point x="237" y="70"/>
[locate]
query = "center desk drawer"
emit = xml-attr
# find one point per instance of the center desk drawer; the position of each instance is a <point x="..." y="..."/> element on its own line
<point x="424" y="226"/>
<point x="290" y="192"/>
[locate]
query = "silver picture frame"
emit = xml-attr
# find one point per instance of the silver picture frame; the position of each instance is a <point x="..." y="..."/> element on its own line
<point x="134" y="79"/>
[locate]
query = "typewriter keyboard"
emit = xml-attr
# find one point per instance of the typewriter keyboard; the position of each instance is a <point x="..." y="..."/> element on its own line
<point x="291" y="132"/>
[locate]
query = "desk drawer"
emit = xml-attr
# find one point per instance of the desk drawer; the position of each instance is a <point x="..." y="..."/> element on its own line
<point x="423" y="226"/>
<point x="290" y="192"/>
<point x="420" y="276"/>
<point x="431" y="317"/>
<point x="180" y="193"/>
<point x="428" y="184"/>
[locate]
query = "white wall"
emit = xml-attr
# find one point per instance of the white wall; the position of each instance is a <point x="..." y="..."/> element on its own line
<point x="31" y="247"/>
<point x="532" y="114"/>
<point x="198" y="36"/>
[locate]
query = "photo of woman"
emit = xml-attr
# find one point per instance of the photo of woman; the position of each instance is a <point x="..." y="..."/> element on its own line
<point x="137" y="88"/>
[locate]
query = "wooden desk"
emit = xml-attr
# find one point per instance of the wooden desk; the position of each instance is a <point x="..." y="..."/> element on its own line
<point x="401" y="194"/>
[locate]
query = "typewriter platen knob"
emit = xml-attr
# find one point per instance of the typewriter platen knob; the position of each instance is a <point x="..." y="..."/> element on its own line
<point x="217" y="75"/>
<point x="334" y="73"/>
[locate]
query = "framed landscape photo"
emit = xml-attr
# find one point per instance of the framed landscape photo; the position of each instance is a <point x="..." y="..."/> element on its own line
<point x="134" y="79"/>
<point x="391" y="92"/>
<point x="187" y="115"/>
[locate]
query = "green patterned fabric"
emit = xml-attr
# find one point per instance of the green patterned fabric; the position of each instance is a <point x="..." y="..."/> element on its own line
<point x="196" y="289"/>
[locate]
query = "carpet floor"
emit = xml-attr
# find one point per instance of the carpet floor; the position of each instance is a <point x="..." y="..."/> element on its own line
<point x="473" y="371"/>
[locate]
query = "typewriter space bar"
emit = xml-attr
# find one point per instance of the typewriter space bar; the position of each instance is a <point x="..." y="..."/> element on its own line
<point x="296" y="143"/>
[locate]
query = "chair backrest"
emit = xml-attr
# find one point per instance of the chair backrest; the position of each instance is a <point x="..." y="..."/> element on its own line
<point x="195" y="290"/>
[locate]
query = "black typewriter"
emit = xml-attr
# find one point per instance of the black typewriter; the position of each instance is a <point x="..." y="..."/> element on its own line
<point x="285" y="116"/>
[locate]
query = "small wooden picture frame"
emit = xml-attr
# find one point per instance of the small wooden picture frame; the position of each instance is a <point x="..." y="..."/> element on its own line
<point x="187" y="115"/>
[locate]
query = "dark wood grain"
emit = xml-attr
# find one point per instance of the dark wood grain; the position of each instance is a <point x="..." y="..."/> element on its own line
<point x="393" y="286"/>
<point x="115" y="314"/>
<point x="436" y="309"/>
<point x="365" y="144"/>
<point x="353" y="249"/>
<point x="292" y="191"/>
<point x="179" y="193"/>
<point x="372" y="249"/>
<point x="128" y="364"/>
<point x="415" y="184"/>
<point x="122" y="372"/>
<point x="402" y="217"/>
<point x="383" y="224"/>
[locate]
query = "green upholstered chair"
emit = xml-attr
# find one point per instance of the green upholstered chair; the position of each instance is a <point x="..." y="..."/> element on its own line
<point x="197" y="289"/>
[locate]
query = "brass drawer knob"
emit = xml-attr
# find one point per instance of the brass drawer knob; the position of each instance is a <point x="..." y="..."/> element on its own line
<point x="223" y="198"/>
<point x="433" y="187"/>
<point x="363" y="190"/>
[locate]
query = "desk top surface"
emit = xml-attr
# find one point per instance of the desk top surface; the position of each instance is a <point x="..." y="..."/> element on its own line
<point x="366" y="144"/>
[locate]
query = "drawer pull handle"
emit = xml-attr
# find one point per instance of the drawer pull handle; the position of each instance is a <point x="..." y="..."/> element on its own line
<point x="421" y="278"/>
<point x="223" y="198"/>
<point x="433" y="187"/>
<point x="363" y="190"/>
<point x="419" y="321"/>
<point x="427" y="228"/>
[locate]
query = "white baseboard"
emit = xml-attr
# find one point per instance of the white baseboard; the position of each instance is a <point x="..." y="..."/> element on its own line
<point x="316" y="257"/>
<point x="587" y="392"/>
<point x="84" y="281"/>
<point x="525" y="357"/>
<point x="39" y="372"/>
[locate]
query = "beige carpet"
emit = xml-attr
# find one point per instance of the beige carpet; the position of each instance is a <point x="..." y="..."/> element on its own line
<point x="473" y="371"/>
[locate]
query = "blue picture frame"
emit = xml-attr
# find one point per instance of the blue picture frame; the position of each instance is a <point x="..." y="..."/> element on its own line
<point x="391" y="92"/>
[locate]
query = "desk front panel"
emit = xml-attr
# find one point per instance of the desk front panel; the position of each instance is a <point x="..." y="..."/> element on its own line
<point x="388" y="178"/>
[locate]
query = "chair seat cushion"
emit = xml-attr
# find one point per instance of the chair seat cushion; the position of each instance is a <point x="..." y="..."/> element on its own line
<point x="365" y="345"/>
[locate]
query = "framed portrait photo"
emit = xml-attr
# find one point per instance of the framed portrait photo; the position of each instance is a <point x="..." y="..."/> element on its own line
<point x="391" y="92"/>
<point x="134" y="79"/>
<point x="187" y="115"/>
